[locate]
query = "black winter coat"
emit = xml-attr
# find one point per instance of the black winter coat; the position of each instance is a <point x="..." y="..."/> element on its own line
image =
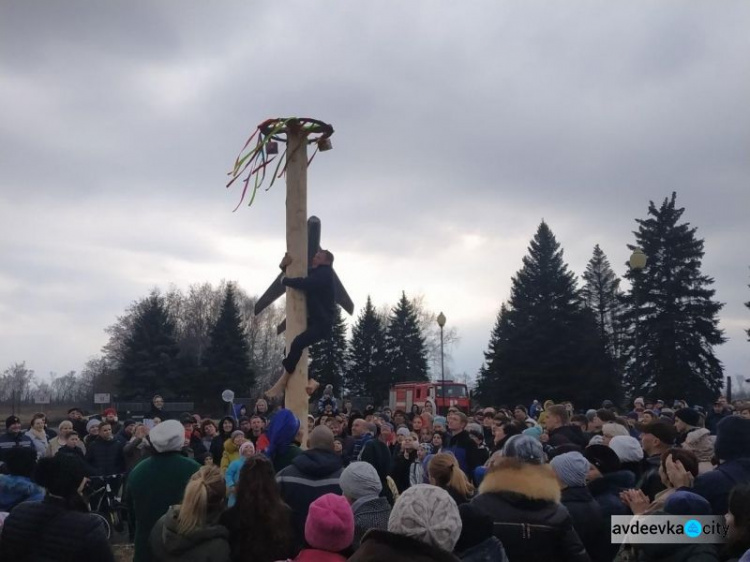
<point x="318" y="288"/>
<point x="523" y="501"/>
<point x="106" y="457"/>
<point x="49" y="530"/>
<point x="567" y="434"/>
<point x="379" y="546"/>
<point x="312" y="474"/>
<point x="466" y="452"/>
<point x="588" y="522"/>
<point x="378" y="455"/>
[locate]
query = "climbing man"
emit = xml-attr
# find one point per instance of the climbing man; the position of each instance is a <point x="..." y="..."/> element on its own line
<point x="318" y="288"/>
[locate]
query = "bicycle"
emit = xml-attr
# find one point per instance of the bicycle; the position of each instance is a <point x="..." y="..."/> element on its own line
<point x="104" y="503"/>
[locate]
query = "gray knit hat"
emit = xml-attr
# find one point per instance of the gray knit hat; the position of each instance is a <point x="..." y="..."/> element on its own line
<point x="571" y="468"/>
<point x="167" y="436"/>
<point x="428" y="514"/>
<point x="524" y="448"/>
<point x="628" y="448"/>
<point x="360" y="479"/>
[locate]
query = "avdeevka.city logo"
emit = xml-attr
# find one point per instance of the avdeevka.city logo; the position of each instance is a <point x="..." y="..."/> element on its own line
<point x="668" y="529"/>
<point x="693" y="528"/>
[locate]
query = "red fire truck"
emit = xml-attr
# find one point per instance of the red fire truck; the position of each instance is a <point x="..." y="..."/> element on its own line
<point x="403" y="395"/>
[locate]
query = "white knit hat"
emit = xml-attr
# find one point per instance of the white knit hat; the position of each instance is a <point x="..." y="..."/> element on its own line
<point x="628" y="448"/>
<point x="167" y="436"/>
<point x="360" y="479"/>
<point x="428" y="514"/>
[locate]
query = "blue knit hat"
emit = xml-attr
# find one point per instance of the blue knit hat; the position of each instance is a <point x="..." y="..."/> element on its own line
<point x="535" y="432"/>
<point x="281" y="432"/>
<point x="687" y="503"/>
<point x="439" y="419"/>
<point x="524" y="448"/>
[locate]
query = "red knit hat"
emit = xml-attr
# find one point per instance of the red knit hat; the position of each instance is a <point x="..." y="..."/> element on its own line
<point x="330" y="524"/>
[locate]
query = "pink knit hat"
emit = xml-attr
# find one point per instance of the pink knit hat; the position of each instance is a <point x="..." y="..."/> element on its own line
<point x="330" y="524"/>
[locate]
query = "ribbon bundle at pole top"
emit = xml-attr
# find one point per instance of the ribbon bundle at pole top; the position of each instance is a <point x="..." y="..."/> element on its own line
<point x="257" y="159"/>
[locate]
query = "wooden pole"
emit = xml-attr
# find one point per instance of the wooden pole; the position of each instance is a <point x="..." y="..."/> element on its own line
<point x="296" y="398"/>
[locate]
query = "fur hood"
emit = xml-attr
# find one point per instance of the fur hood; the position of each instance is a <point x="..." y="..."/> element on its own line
<point x="700" y="442"/>
<point x="536" y="482"/>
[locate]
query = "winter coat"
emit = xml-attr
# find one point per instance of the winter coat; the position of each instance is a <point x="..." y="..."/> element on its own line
<point x="217" y="449"/>
<point x="716" y="484"/>
<point x="369" y="513"/>
<point x="231" y="453"/>
<point x="713" y="419"/>
<point x="312" y="474"/>
<point x="587" y="521"/>
<point x="677" y="553"/>
<point x="489" y="550"/>
<point x="524" y="504"/>
<point x="209" y="543"/>
<point x="315" y="555"/>
<point x="135" y="451"/>
<point x="567" y="434"/>
<point x="106" y="457"/>
<point x="466" y="452"/>
<point x="153" y="486"/>
<point x="40" y="443"/>
<point x="380" y="546"/>
<point x="701" y="442"/>
<point x="606" y="491"/>
<point x="77" y="454"/>
<point x="18" y="489"/>
<point x="50" y="530"/>
<point x="650" y="482"/>
<point x="11" y="440"/>
<point x="318" y="287"/>
<point x="401" y="470"/>
<point x="378" y="455"/>
<point x="231" y="478"/>
<point x="55" y="445"/>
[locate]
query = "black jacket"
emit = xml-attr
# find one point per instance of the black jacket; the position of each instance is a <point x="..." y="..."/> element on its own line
<point x="567" y="434"/>
<point x="312" y="474"/>
<point x="378" y="455"/>
<point x="318" y="287"/>
<point x="217" y="449"/>
<point x="588" y="522"/>
<point x="106" y="457"/>
<point x="49" y="530"/>
<point x="650" y="482"/>
<point x="524" y="504"/>
<point x="466" y="452"/>
<point x="380" y="546"/>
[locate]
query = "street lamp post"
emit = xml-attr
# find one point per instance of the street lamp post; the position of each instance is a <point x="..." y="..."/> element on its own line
<point x="637" y="262"/>
<point x="441" y="323"/>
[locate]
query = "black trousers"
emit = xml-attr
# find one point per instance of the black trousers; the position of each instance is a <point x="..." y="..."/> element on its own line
<point x="313" y="334"/>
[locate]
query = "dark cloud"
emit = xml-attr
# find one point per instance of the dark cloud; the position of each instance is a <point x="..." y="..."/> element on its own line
<point x="458" y="128"/>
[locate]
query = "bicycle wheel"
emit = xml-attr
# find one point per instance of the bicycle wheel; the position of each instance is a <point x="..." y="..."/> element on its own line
<point x="105" y="523"/>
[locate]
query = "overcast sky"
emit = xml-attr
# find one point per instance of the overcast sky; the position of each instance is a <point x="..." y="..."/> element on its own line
<point x="459" y="126"/>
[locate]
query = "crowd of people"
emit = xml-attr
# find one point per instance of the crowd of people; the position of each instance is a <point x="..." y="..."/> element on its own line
<point x="537" y="482"/>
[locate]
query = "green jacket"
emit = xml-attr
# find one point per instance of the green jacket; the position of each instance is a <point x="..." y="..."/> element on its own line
<point x="209" y="543"/>
<point x="153" y="486"/>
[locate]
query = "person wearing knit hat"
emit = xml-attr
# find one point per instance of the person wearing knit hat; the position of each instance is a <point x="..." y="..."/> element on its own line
<point x="610" y="430"/>
<point x="329" y="530"/>
<point x="439" y="423"/>
<point x="232" y="475"/>
<point x="686" y="420"/>
<point x="630" y="453"/>
<point x="282" y="431"/>
<point x="572" y="470"/>
<point x="158" y="482"/>
<point x="360" y="485"/>
<point x="535" y="432"/>
<point x="427" y="513"/>
<point x="14" y="436"/>
<point x="602" y="459"/>
<point x="92" y="431"/>
<point x="525" y="448"/>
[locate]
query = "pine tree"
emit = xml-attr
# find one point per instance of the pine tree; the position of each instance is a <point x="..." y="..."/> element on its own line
<point x="150" y="361"/>
<point x="367" y="373"/>
<point x="672" y="315"/>
<point x="602" y="296"/>
<point x="328" y="357"/>
<point x="405" y="345"/>
<point x="545" y="343"/>
<point x="226" y="363"/>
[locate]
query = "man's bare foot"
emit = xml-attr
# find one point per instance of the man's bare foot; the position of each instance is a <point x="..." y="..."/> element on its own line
<point x="280" y="387"/>
<point x="312" y="386"/>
